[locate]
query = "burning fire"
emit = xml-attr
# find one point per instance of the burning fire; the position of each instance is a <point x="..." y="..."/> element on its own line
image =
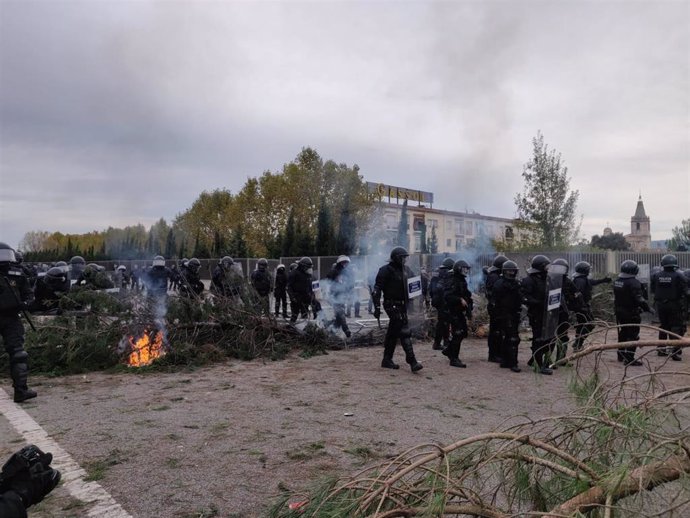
<point x="144" y="351"/>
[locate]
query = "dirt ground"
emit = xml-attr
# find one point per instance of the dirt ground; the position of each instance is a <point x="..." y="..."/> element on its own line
<point x="223" y="440"/>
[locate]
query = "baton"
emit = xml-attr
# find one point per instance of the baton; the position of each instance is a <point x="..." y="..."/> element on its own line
<point x="21" y="306"/>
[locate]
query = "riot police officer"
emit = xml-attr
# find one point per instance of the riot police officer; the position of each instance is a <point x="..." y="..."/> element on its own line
<point x="570" y="301"/>
<point x="191" y="285"/>
<point x="261" y="282"/>
<point x="280" y="290"/>
<point x="628" y="301"/>
<point x="300" y="290"/>
<point x="49" y="288"/>
<point x="507" y="296"/>
<point x="436" y="286"/>
<point x="458" y="302"/>
<point x="340" y="292"/>
<point x="15" y="295"/>
<point x="670" y="291"/>
<point x="391" y="282"/>
<point x="584" y="316"/>
<point x="77" y="264"/>
<point x="225" y="280"/>
<point x="495" y="338"/>
<point x="156" y="278"/>
<point x="534" y="289"/>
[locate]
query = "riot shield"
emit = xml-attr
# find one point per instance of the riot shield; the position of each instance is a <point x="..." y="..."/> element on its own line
<point x="554" y="294"/>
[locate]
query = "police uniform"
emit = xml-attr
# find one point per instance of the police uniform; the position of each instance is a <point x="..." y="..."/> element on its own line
<point x="261" y="282"/>
<point x="628" y="303"/>
<point x="584" y="316"/>
<point x="391" y="282"/>
<point x="15" y="295"/>
<point x="507" y="296"/>
<point x="458" y="301"/>
<point x="436" y="285"/>
<point x="670" y="291"/>
<point x="300" y="292"/>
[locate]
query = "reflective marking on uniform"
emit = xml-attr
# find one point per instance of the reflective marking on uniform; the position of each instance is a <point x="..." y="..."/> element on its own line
<point x="92" y="493"/>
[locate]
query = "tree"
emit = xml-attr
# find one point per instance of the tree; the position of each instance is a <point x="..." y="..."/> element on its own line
<point x="615" y="241"/>
<point x="402" y="237"/>
<point x="680" y="241"/>
<point x="432" y="242"/>
<point x="324" y="231"/>
<point x="289" y="241"/>
<point x="170" y="244"/>
<point x="546" y="203"/>
<point x="346" y="240"/>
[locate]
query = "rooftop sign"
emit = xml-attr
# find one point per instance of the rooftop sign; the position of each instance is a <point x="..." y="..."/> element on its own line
<point x="401" y="193"/>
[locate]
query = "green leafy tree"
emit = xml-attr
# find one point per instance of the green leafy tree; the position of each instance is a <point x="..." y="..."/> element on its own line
<point x="614" y="241"/>
<point x="681" y="237"/>
<point x="546" y="205"/>
<point x="324" y="236"/>
<point x="346" y="240"/>
<point x="289" y="241"/>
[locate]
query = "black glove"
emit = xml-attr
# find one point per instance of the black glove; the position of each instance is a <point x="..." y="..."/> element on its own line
<point x="377" y="312"/>
<point x="32" y="486"/>
<point x="646" y="307"/>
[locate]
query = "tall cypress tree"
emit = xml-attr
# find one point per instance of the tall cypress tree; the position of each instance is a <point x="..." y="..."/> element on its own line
<point x="402" y="237"/>
<point x="289" y="240"/>
<point x="345" y="242"/>
<point x="324" y="235"/>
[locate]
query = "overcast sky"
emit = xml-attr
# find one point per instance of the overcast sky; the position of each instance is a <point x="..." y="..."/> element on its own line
<point x="119" y="112"/>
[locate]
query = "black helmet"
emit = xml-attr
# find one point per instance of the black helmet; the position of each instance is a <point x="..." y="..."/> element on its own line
<point x="293" y="266"/>
<point x="305" y="263"/>
<point x="6" y="253"/>
<point x="687" y="274"/>
<point x="398" y="255"/>
<point x="539" y="264"/>
<point x="668" y="262"/>
<point x="227" y="261"/>
<point x="18" y="257"/>
<point x="262" y="264"/>
<point x="281" y="266"/>
<point x="447" y="263"/>
<point x="498" y="263"/>
<point x="55" y="277"/>
<point x="184" y="261"/>
<point x="77" y="259"/>
<point x="509" y="269"/>
<point x="461" y="267"/>
<point x="629" y="269"/>
<point x="562" y="262"/>
<point x="194" y="264"/>
<point x="159" y="260"/>
<point x="583" y="268"/>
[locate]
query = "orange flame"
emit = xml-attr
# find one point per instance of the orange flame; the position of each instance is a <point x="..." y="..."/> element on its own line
<point x="144" y="351"/>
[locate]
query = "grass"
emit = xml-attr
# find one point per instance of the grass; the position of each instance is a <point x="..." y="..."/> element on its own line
<point x="307" y="452"/>
<point x="97" y="469"/>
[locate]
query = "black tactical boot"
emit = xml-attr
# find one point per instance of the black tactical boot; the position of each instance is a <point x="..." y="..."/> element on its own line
<point x="23" y="394"/>
<point x="437" y="346"/>
<point x="455" y="362"/>
<point x="387" y="363"/>
<point x="515" y="368"/>
<point x="416" y="366"/>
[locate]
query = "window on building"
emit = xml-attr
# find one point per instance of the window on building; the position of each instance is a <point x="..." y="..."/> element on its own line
<point x="459" y="227"/>
<point x="447" y="243"/>
<point x="391" y="221"/>
<point x="449" y="226"/>
<point x="458" y="245"/>
<point x="509" y="234"/>
<point x="638" y="225"/>
<point x="418" y="222"/>
<point x="417" y="242"/>
<point x="468" y="228"/>
<point x="433" y="223"/>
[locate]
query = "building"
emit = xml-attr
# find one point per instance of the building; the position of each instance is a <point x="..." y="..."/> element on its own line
<point x="640" y="237"/>
<point x="454" y="230"/>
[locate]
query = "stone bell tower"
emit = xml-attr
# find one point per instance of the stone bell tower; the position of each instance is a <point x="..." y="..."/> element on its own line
<point x="640" y="237"/>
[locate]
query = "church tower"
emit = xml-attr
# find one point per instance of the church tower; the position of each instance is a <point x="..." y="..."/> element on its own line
<point x="640" y="237"/>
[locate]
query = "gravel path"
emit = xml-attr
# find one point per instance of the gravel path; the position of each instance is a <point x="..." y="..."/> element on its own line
<point x="219" y="441"/>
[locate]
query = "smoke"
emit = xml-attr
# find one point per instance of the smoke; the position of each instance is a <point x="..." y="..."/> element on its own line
<point x="160" y="310"/>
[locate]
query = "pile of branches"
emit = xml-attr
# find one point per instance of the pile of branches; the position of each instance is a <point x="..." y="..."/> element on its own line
<point x="89" y="330"/>
<point x="627" y="439"/>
